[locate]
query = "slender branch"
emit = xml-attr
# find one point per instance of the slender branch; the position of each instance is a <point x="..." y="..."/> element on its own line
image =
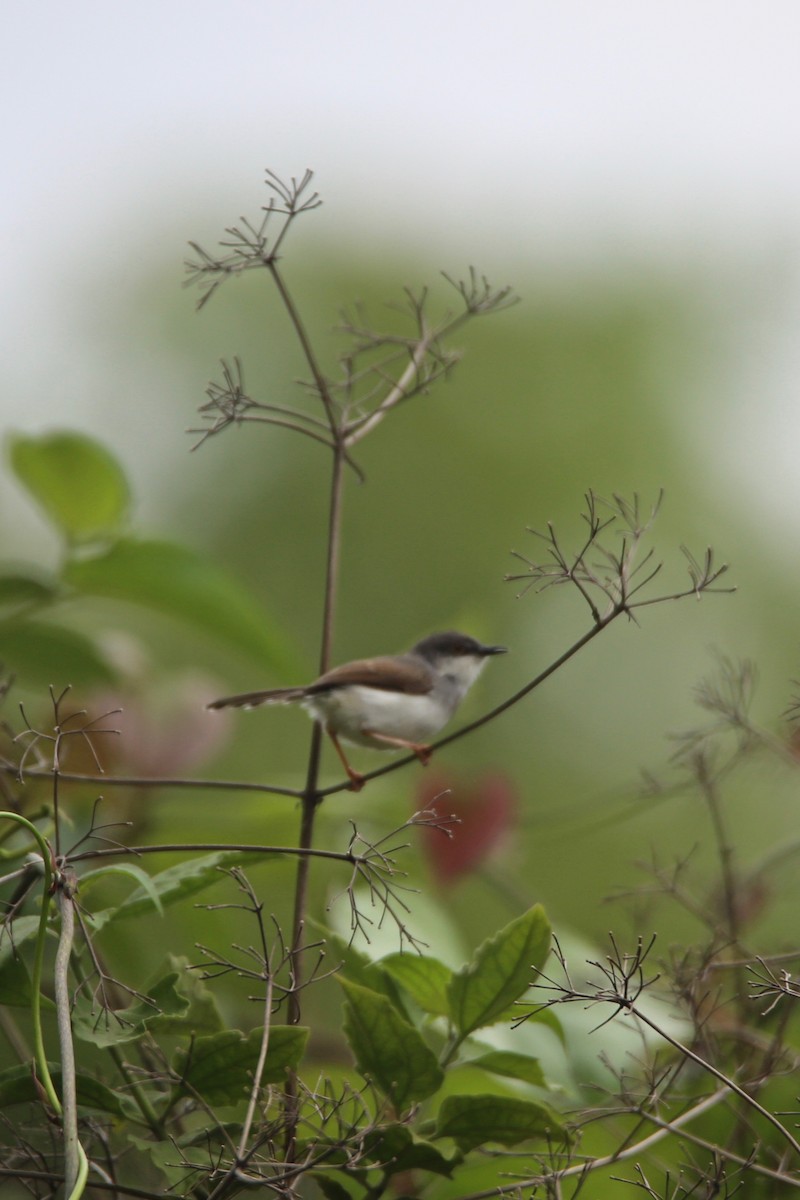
<point x="356" y="430"/>
<point x="730" y="1155"/>
<point x="233" y="785"/>
<point x="209" y="847"/>
<point x="117" y="1188"/>
<point x="715" y="1071"/>
<point x="259" y="1071"/>
<point x="320" y="381"/>
<point x="607" y="1160"/>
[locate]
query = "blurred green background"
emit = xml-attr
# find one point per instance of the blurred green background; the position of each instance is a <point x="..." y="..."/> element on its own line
<point x="596" y="387"/>
<point x="607" y="163"/>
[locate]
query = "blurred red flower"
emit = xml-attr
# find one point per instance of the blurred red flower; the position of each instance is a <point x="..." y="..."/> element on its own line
<point x="486" y="809"/>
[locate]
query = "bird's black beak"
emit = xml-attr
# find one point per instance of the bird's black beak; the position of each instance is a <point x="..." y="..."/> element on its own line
<point x="487" y="650"/>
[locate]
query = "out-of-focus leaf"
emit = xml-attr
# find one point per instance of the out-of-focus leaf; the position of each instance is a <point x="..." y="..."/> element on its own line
<point x="396" y="1149"/>
<point x="40" y="654"/>
<point x="475" y="1120"/>
<point x="77" y="482"/>
<point x="511" y="1065"/>
<point x="500" y="971"/>
<point x="355" y="966"/>
<point x="179" y="582"/>
<point x="18" y="588"/>
<point x="387" y="1049"/>
<point x="203" y="1015"/>
<point x="163" y="1004"/>
<point x="131" y="871"/>
<point x="220" y="1067"/>
<point x="331" y="1188"/>
<point x="424" y="978"/>
<point x="15" y="983"/>
<point x="176" y="883"/>
<point x="17" y="1086"/>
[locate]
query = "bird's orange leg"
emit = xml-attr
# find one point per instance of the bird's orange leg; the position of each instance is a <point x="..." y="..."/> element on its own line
<point x="422" y="752"/>
<point x="356" y="780"/>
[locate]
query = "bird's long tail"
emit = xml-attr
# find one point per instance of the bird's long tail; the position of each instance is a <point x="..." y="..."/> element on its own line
<point x="254" y="699"/>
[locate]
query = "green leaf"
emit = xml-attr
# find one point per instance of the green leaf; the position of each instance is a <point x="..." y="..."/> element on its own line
<point x="75" y="480"/>
<point x="23" y="929"/>
<point x="396" y="1149"/>
<point x="17" y="1086"/>
<point x="425" y="979"/>
<point x="203" y="1015"/>
<point x="220" y="1067"/>
<point x="41" y="653"/>
<point x="355" y="966"/>
<point x="176" y="883"/>
<point x="178" y="582"/>
<point x="331" y="1188"/>
<point x="511" y="1065"/>
<point x="19" y="588"/>
<point x="162" y="1005"/>
<point x="133" y="872"/>
<point x="165" y="1156"/>
<point x="15" y="983"/>
<point x="499" y="973"/>
<point x="387" y="1049"/>
<point x="476" y="1120"/>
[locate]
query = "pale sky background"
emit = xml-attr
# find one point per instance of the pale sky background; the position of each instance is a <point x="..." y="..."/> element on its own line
<point x="557" y="136"/>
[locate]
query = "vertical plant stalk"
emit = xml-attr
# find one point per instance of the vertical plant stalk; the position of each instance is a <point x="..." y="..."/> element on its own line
<point x="69" y="1116"/>
<point x="259" y="1072"/>
<point x="311" y="796"/>
<point x="40" y="1057"/>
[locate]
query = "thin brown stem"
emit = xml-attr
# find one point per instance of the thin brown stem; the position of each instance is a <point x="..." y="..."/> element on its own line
<point x="232" y="785"/>
<point x="311" y="794"/>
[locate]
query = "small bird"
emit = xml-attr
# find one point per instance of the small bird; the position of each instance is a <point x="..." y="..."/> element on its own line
<point x="395" y="702"/>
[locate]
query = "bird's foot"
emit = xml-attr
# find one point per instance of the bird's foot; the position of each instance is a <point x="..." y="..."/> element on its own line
<point x="423" y="753"/>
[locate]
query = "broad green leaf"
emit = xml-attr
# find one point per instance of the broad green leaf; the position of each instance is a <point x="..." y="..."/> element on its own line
<point x="176" y="883"/>
<point x="131" y="871"/>
<point x="220" y="1067"/>
<point x="40" y="654"/>
<point x="23" y="929"/>
<point x="15" y="983"/>
<point x="477" y="1120"/>
<point x="165" y="1156"/>
<point x="75" y="480"/>
<point x="425" y="979"/>
<point x="17" y="1086"/>
<point x="387" y="1049"/>
<point x="511" y="1065"/>
<point x="19" y="588"/>
<point x="178" y="582"/>
<point x="396" y="1149"/>
<point x="163" y="1004"/>
<point x="203" y="1015"/>
<point x="500" y="972"/>
<point x="355" y="966"/>
<point x="331" y="1188"/>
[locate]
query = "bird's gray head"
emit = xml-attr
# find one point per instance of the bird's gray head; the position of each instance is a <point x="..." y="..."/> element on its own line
<point x="453" y="645"/>
<point x="457" y="660"/>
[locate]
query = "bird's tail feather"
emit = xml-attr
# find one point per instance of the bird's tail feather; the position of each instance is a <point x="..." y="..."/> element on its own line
<point x="254" y="699"/>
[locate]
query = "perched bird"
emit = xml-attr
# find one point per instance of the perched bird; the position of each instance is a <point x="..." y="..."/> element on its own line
<point x="392" y="703"/>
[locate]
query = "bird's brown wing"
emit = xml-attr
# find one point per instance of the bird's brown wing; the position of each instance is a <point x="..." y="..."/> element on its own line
<point x="401" y="674"/>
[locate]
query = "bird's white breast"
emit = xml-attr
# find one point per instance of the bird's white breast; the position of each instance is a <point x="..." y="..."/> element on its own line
<point x="349" y="711"/>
